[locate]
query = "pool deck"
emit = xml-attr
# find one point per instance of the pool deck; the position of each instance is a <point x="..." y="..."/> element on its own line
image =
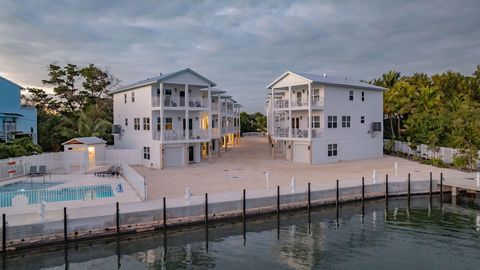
<point x="244" y="167"/>
<point x="74" y="179"/>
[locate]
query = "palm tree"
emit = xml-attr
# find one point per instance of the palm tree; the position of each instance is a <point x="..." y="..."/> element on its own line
<point x="88" y="123"/>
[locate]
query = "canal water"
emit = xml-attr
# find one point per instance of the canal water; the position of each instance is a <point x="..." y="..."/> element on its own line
<point x="420" y="234"/>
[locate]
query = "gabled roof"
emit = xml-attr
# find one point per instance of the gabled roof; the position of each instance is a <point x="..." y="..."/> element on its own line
<point x="160" y="78"/>
<point x="85" y="140"/>
<point x="327" y="80"/>
<point x="19" y="86"/>
<point x="214" y="90"/>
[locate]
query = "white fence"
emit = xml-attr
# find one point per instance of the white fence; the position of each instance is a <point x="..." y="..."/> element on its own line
<point x="129" y="156"/>
<point x="445" y="154"/>
<point x="135" y="180"/>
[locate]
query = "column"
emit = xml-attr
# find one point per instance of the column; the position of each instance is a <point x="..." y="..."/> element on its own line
<point x="209" y="125"/>
<point x="289" y="120"/>
<point x="309" y="122"/>
<point x="187" y="105"/>
<point x="161" y="113"/>
<point x="272" y="120"/>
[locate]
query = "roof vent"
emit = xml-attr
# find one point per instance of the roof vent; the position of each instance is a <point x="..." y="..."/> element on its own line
<point x="324" y="75"/>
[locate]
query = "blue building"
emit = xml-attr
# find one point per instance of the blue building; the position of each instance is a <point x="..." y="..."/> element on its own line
<point x="16" y="120"/>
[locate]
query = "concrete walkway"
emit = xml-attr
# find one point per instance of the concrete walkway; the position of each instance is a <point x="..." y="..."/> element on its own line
<point x="244" y="167"/>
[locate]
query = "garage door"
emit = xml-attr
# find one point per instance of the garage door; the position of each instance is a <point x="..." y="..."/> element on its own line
<point x="300" y="153"/>
<point x="173" y="156"/>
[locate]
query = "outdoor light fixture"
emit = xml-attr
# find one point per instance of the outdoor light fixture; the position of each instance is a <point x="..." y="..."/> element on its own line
<point x="303" y="91"/>
<point x="300" y="117"/>
<point x="196" y="118"/>
<point x="179" y="118"/>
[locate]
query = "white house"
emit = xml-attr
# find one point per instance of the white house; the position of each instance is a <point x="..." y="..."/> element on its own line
<point x="86" y="151"/>
<point x="320" y="119"/>
<point x="174" y="118"/>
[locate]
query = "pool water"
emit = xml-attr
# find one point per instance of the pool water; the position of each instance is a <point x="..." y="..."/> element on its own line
<point x="25" y="185"/>
<point x="36" y="193"/>
<point x="416" y="235"/>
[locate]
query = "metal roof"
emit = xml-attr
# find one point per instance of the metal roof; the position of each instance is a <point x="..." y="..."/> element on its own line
<point x="327" y="80"/>
<point x="19" y="86"/>
<point x="85" y="140"/>
<point x="160" y="78"/>
<point x="214" y="90"/>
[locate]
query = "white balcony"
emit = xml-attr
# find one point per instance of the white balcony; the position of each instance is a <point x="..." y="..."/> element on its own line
<point x="179" y="135"/>
<point x="281" y="132"/>
<point x="198" y="134"/>
<point x="280" y="104"/>
<point x="215" y="132"/>
<point x="215" y="107"/>
<point x="299" y="133"/>
<point x="298" y="102"/>
<point x="317" y="133"/>
<point x="196" y="103"/>
<point x="317" y="101"/>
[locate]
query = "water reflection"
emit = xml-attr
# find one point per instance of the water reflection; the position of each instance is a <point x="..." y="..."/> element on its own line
<point x="349" y="236"/>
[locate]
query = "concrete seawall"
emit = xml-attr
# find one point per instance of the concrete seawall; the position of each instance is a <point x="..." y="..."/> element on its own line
<point x="97" y="222"/>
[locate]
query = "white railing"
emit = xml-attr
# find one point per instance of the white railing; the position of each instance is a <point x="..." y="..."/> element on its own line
<point x="299" y="133"/>
<point x="196" y="103"/>
<point x="198" y="134"/>
<point x="280" y="104"/>
<point x="215" y="107"/>
<point x="281" y="132"/>
<point x="317" y="101"/>
<point x="298" y="102"/>
<point x="170" y="135"/>
<point x="170" y="101"/>
<point x="317" y="132"/>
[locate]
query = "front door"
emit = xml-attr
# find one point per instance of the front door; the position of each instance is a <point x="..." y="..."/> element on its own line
<point x="191" y="156"/>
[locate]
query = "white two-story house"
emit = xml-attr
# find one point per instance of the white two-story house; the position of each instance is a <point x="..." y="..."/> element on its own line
<point x="174" y="118"/>
<point x="320" y="119"/>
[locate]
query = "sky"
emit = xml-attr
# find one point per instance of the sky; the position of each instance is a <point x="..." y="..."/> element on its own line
<point x="240" y="45"/>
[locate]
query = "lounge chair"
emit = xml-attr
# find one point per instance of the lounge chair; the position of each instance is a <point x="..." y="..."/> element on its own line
<point x="42" y="170"/>
<point x="103" y="173"/>
<point x="33" y="171"/>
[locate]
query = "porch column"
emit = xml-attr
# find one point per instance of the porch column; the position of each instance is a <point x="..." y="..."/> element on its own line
<point x="161" y="114"/>
<point x="289" y="120"/>
<point x="309" y="121"/>
<point x="210" y="120"/>
<point x="272" y="120"/>
<point x="187" y="105"/>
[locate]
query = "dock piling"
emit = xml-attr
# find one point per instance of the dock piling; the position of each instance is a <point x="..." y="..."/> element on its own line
<point x="4" y="233"/>
<point x="206" y="210"/>
<point x="278" y="200"/>
<point x="65" y="238"/>
<point x="118" y="218"/>
<point x="308" y="198"/>
<point x="164" y="216"/>
<point x="337" y="202"/>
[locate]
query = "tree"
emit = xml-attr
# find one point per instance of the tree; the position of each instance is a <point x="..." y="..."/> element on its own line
<point x="18" y="147"/>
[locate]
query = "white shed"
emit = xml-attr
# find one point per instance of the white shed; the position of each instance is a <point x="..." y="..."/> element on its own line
<point x="86" y="152"/>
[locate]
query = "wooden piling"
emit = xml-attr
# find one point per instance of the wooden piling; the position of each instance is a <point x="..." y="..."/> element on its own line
<point x="363" y="196"/>
<point x="65" y="237"/>
<point x="164" y="215"/>
<point x="206" y="209"/>
<point x="244" y="206"/>
<point x="118" y="218"/>
<point x="337" y="201"/>
<point x="309" y="198"/>
<point x="278" y="200"/>
<point x="4" y="234"/>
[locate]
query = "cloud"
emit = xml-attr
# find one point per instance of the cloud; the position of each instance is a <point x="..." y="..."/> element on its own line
<point x="241" y="45"/>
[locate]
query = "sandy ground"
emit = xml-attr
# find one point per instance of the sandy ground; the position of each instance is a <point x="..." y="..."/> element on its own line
<point x="244" y="167"/>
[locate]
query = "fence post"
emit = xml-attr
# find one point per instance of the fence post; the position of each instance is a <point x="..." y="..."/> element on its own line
<point x="4" y="234"/>
<point x="164" y="215"/>
<point x="118" y="218"/>
<point x="65" y="238"/>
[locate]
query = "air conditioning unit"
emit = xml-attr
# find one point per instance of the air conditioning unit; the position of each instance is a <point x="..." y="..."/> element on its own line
<point x="376" y="126"/>
<point x="117" y="129"/>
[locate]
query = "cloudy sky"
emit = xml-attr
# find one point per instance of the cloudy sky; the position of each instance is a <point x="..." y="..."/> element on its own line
<point x="240" y="45"/>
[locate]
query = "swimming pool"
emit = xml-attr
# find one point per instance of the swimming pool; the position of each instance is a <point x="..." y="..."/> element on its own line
<point x="35" y="196"/>
<point x="26" y="185"/>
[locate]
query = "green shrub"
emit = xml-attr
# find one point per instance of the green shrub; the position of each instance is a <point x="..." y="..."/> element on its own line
<point x="438" y="163"/>
<point x="460" y="161"/>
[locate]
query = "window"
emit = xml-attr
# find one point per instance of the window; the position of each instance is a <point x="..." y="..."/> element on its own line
<point x="332" y="121"/>
<point x="136" y="123"/>
<point x="351" y="95"/>
<point x="146" y="152"/>
<point x="168" y="92"/>
<point x="133" y="96"/>
<point x="316" y="121"/>
<point x="126" y="122"/>
<point x="376" y="126"/>
<point x="363" y="96"/>
<point x="146" y="123"/>
<point x="168" y="123"/>
<point x="159" y="125"/>
<point x="346" y="121"/>
<point x="332" y="150"/>
<point x="316" y="96"/>
<point x="362" y="119"/>
<point x="158" y="91"/>
<point x="125" y="98"/>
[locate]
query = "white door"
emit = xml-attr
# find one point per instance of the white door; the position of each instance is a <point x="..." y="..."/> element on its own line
<point x="173" y="156"/>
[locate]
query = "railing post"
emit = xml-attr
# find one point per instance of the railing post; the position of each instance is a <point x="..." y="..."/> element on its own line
<point x="65" y="237"/>
<point x="118" y="218"/>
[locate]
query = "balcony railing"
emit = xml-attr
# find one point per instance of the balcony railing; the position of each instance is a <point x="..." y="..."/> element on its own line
<point x="281" y="132"/>
<point x="198" y="134"/>
<point x="317" y="101"/>
<point x="280" y="104"/>
<point x="317" y="133"/>
<point x="196" y="103"/>
<point x="298" y="102"/>
<point x="299" y="133"/>
<point x="215" y="107"/>
<point x="170" y="135"/>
